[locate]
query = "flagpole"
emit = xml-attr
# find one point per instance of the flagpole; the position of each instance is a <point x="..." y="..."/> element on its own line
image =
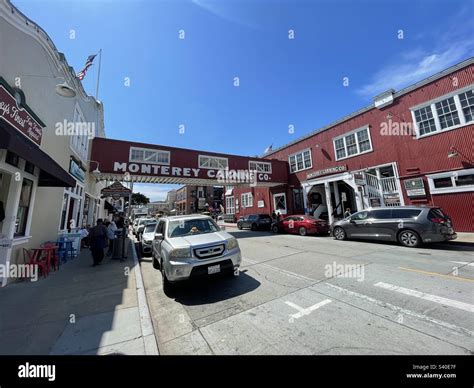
<point x="98" y="76"/>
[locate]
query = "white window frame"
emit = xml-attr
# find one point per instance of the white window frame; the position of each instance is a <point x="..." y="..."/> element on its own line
<point x="167" y="153"/>
<point x="434" y="112"/>
<point x="453" y="175"/>
<point x="218" y="158"/>
<point x="230" y="205"/>
<point x="79" y="144"/>
<point x="14" y="194"/>
<point x="353" y="132"/>
<point x="260" y="166"/>
<point x="246" y="200"/>
<point x="295" y="155"/>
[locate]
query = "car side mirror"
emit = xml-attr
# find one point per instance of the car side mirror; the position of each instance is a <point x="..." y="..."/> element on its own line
<point x="158" y="236"/>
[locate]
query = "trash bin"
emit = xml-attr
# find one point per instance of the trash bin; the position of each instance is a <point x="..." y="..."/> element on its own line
<point x="120" y="250"/>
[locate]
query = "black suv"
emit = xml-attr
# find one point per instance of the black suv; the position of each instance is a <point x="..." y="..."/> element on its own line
<point x="255" y="222"/>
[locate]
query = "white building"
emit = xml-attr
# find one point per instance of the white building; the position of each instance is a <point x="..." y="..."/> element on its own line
<point x="45" y="138"/>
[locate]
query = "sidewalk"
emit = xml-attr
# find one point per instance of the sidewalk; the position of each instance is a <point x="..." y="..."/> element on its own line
<point x="79" y="309"/>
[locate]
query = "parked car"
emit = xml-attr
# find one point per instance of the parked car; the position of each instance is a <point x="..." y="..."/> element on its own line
<point x="255" y="222"/>
<point x="411" y="226"/>
<point x="186" y="247"/>
<point x="301" y="224"/>
<point x="147" y="238"/>
<point x="142" y="222"/>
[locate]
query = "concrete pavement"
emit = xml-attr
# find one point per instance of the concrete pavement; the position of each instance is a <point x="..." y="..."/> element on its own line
<point x="79" y="309"/>
<point x="408" y="301"/>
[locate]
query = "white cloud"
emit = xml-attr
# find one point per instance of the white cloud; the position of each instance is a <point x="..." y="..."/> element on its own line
<point x="453" y="45"/>
<point x="156" y="192"/>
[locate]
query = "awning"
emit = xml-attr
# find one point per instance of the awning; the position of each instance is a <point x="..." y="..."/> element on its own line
<point x="51" y="173"/>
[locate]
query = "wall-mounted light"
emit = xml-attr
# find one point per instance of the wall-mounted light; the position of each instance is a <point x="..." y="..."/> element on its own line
<point x="65" y="90"/>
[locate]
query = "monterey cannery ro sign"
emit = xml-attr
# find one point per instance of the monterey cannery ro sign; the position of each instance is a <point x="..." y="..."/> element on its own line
<point x="14" y="112"/>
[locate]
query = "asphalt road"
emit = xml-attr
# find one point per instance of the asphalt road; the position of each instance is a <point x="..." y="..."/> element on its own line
<point x="315" y="295"/>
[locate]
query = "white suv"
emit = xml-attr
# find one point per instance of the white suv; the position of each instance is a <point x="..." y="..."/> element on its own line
<point x="187" y="247"/>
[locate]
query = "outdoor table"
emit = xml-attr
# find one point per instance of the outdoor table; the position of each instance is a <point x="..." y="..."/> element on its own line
<point x="47" y="253"/>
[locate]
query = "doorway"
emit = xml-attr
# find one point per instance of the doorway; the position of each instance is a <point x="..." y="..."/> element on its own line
<point x="279" y="203"/>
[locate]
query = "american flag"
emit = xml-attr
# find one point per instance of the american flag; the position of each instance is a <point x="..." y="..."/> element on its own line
<point x="88" y="64"/>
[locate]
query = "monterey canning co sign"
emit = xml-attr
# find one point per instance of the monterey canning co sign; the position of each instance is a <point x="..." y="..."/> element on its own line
<point x="19" y="117"/>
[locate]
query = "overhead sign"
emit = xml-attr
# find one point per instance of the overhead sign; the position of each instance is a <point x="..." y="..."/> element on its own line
<point x="19" y="117"/>
<point x="77" y="171"/>
<point x="326" y="171"/>
<point x="359" y="179"/>
<point x="415" y="187"/>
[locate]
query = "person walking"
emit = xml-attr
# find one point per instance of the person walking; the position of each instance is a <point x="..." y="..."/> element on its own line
<point x="98" y="241"/>
<point x="274" y="216"/>
<point x="111" y="229"/>
<point x="347" y="213"/>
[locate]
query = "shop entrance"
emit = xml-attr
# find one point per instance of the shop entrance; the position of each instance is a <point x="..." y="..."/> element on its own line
<point x="341" y="197"/>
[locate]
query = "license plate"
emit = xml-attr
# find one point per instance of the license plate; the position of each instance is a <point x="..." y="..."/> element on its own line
<point x="213" y="269"/>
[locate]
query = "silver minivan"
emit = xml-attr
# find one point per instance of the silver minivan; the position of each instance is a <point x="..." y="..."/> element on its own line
<point x="411" y="226"/>
<point x="186" y="247"/>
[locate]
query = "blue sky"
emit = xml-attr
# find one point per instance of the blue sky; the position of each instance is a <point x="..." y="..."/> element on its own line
<point x="283" y="81"/>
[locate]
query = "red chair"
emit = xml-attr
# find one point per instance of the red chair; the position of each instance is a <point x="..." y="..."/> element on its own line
<point x="30" y="257"/>
<point x="54" y="256"/>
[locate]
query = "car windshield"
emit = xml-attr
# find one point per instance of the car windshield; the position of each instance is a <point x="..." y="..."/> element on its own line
<point x="181" y="228"/>
<point x="145" y="221"/>
<point x="150" y="228"/>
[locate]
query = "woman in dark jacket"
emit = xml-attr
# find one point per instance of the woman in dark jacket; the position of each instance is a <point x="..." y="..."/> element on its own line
<point x="98" y="241"/>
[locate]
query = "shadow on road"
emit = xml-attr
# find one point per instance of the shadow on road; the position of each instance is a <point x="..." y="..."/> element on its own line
<point x="212" y="290"/>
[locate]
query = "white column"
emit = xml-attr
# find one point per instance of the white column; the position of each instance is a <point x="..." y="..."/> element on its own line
<point x="338" y="197"/>
<point x="379" y="179"/>
<point x="327" y="189"/>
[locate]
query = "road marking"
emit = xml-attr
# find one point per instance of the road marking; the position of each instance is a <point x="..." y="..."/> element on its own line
<point x="284" y="271"/>
<point x="432" y="298"/>
<point x="306" y="311"/>
<point x="459" y="330"/>
<point x="463" y="263"/>
<point x="453" y="277"/>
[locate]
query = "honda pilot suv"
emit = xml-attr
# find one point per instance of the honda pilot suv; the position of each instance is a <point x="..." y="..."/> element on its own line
<point x="186" y="247"/>
<point x="411" y="226"/>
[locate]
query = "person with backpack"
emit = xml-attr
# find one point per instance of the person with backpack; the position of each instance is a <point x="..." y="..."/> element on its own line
<point x="98" y="241"/>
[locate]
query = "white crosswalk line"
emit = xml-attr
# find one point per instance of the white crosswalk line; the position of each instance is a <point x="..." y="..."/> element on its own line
<point x="432" y="298"/>
<point x="306" y="311"/>
<point x="463" y="263"/>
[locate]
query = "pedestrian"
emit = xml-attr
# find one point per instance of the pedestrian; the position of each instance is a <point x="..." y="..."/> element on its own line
<point x="111" y="229"/>
<point x="98" y="241"/>
<point x="84" y="237"/>
<point x="274" y="216"/>
<point x="278" y="216"/>
<point x="347" y="213"/>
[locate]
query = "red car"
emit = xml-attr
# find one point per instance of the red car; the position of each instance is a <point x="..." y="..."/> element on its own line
<point x="301" y="224"/>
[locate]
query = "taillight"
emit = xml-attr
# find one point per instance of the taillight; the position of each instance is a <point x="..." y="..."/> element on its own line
<point x="437" y="220"/>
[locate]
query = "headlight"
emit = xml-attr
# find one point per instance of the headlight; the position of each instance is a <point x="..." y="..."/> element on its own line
<point x="232" y="244"/>
<point x="181" y="253"/>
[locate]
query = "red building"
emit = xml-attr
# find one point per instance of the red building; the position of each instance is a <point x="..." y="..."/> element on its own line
<point x="411" y="147"/>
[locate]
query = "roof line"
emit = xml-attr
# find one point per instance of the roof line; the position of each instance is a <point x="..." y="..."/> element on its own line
<point x="400" y="93"/>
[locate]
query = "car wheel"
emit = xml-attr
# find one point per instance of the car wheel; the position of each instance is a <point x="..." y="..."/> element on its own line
<point x="409" y="238"/>
<point x="275" y="229"/>
<point x="302" y="231"/>
<point x="156" y="264"/>
<point x="339" y="233"/>
<point x="254" y="227"/>
<point x="239" y="226"/>
<point x="167" y="286"/>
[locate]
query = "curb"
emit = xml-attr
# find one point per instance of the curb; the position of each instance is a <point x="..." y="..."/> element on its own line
<point x="148" y="332"/>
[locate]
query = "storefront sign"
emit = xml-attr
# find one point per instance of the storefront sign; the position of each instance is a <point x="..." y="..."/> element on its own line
<point x="326" y="171"/>
<point x="415" y="187"/>
<point x="15" y="114"/>
<point x="76" y="171"/>
<point x="261" y="203"/>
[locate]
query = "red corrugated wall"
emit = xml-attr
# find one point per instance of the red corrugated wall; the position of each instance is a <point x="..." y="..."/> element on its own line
<point x="462" y="215"/>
